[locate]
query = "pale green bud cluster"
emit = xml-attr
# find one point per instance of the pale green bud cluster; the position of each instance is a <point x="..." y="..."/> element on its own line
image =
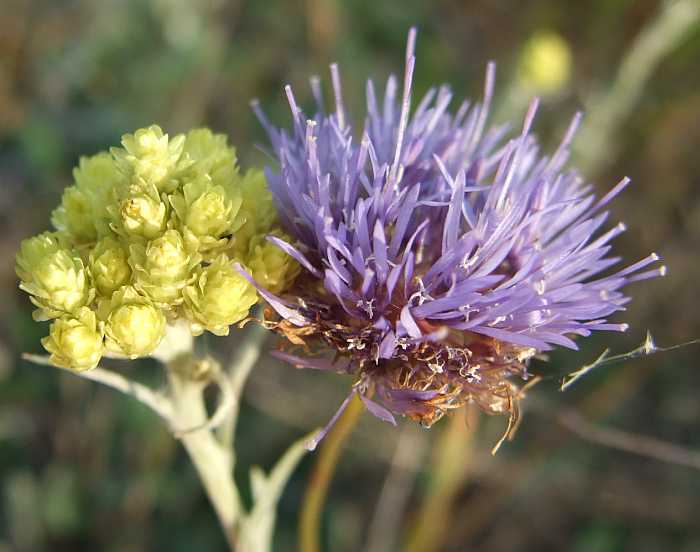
<point x="148" y="234"/>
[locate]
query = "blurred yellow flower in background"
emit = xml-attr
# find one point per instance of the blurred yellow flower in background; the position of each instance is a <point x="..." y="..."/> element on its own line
<point x="544" y="66"/>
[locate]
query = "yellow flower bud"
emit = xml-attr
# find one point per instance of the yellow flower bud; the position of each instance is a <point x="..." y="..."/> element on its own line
<point x="162" y="268"/>
<point x="54" y="276"/>
<point x="257" y="209"/>
<point x="83" y="210"/>
<point x="74" y="215"/>
<point x="207" y="213"/>
<point x="271" y="267"/>
<point x="109" y="266"/>
<point x="545" y="63"/>
<point x="150" y="156"/>
<point x="98" y="174"/>
<point x="133" y="325"/>
<point x="140" y="213"/>
<point x="211" y="154"/>
<point x="75" y="342"/>
<point x="218" y="297"/>
<point x="34" y="249"/>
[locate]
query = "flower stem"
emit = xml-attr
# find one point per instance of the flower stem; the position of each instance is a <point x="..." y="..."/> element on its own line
<point x="317" y="490"/>
<point x="448" y="473"/>
<point x="212" y="462"/>
<point x="142" y="393"/>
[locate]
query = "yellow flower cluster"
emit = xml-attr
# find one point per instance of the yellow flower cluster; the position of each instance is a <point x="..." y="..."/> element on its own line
<point x="147" y="235"/>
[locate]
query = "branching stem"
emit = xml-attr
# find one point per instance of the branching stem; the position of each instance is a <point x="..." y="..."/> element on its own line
<point x="210" y="459"/>
<point x="159" y="403"/>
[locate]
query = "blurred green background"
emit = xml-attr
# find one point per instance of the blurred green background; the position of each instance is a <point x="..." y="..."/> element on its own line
<point x="84" y="469"/>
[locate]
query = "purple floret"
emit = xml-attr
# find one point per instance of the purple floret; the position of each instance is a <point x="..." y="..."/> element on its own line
<point x="440" y="255"/>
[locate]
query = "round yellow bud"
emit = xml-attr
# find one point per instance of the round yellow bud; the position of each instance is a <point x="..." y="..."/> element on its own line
<point x="142" y="214"/>
<point x="75" y="342"/>
<point x="34" y="249"/>
<point x="218" y="297"/>
<point x="54" y="276"/>
<point x="74" y="215"/>
<point x="150" y="156"/>
<point x="211" y="155"/>
<point x="271" y="267"/>
<point x="134" y="326"/>
<point x="545" y="63"/>
<point x="109" y="266"/>
<point x="162" y="268"/>
<point x="207" y="213"/>
<point x="83" y="210"/>
<point x="98" y="174"/>
<point x="257" y="209"/>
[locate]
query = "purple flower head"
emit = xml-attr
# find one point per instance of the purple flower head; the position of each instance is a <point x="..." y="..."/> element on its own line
<point x="440" y="255"/>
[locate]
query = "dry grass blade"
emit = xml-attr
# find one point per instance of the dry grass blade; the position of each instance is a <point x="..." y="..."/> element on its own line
<point x="645" y="349"/>
<point x="640" y="445"/>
